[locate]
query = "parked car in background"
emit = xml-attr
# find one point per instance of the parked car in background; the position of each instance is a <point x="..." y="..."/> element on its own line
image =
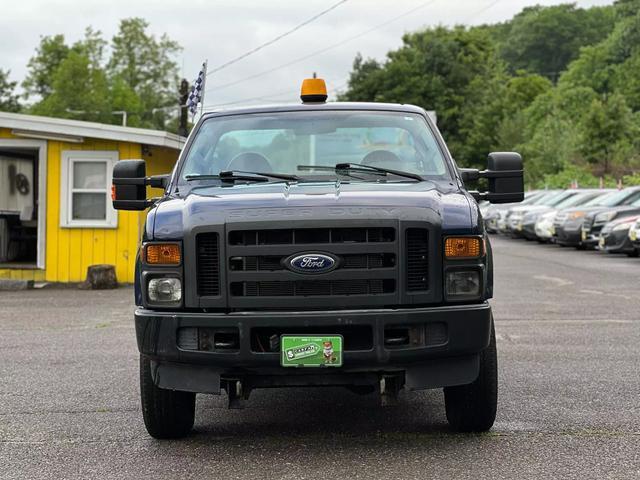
<point x="567" y="225"/>
<point x="516" y="214"/>
<point x="634" y="235"/>
<point x="539" y="225"/>
<point x="494" y="215"/>
<point x="594" y="221"/>
<point x="614" y="237"/>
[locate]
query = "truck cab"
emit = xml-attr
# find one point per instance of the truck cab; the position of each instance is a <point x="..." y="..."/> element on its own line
<point x="317" y="244"/>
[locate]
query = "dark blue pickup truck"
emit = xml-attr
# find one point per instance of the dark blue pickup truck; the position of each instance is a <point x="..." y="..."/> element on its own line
<point x="318" y="244"/>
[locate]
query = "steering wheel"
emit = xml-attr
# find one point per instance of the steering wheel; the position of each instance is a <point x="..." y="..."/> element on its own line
<point x="250" y="162"/>
<point x="381" y="158"/>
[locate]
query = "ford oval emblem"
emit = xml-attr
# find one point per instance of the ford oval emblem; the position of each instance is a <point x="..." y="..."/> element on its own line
<point x="311" y="263"/>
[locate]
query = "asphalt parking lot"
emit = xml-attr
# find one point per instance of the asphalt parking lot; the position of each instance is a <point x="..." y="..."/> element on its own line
<point x="568" y="326"/>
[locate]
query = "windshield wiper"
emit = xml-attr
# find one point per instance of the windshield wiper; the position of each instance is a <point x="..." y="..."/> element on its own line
<point x="233" y="175"/>
<point x="358" y="167"/>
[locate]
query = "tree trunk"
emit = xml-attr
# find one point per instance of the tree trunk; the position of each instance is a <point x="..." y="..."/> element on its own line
<point x="100" y="277"/>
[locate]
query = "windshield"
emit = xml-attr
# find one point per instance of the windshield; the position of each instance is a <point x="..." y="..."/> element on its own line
<point x="544" y="197"/>
<point x="622" y="197"/>
<point x="603" y="197"/>
<point x="281" y="142"/>
<point x="579" y="199"/>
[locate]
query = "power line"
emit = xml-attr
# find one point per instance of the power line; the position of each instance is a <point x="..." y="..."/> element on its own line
<point x="326" y="49"/>
<point x="349" y="39"/>
<point x="482" y="10"/>
<point x="274" y="40"/>
<point x="342" y="83"/>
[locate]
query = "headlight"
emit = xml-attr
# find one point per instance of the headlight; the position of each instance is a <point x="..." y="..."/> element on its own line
<point x="623" y="226"/>
<point x="165" y="290"/>
<point x="604" y="217"/>
<point x="462" y="284"/>
<point x="576" y="215"/>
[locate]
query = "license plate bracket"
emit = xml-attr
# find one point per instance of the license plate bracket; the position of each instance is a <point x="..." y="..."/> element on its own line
<point x="311" y="350"/>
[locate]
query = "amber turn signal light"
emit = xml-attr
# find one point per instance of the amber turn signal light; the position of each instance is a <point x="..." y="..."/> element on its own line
<point x="162" y="254"/>
<point x="462" y="247"/>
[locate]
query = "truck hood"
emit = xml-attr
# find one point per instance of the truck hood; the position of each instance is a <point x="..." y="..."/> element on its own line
<point x="216" y="205"/>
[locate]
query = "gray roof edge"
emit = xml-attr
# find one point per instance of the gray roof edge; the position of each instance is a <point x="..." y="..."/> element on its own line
<point x="63" y="126"/>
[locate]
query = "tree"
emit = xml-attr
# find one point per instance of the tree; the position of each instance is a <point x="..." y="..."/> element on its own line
<point x="76" y="81"/>
<point x="42" y="66"/>
<point x="79" y="90"/>
<point x="545" y="40"/>
<point x="8" y="98"/>
<point x="608" y="132"/>
<point x="146" y="66"/>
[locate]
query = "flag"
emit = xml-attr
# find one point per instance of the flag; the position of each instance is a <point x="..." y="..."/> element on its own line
<point x="197" y="90"/>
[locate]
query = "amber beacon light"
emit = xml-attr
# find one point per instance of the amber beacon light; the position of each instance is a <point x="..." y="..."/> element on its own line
<point x="313" y="90"/>
<point x="162" y="254"/>
<point x="462" y="247"/>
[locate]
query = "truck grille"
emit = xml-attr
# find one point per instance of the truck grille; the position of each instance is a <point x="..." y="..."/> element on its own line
<point x="417" y="259"/>
<point x="208" y="264"/>
<point x="296" y="236"/>
<point x="274" y="263"/>
<point x="366" y="272"/>
<point x="310" y="288"/>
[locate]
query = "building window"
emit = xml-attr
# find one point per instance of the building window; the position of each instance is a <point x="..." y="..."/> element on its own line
<point x="86" y="189"/>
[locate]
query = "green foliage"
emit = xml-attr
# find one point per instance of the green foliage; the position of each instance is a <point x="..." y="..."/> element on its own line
<point x="146" y="67"/>
<point x="140" y="77"/>
<point x="545" y="39"/>
<point x="8" y="98"/>
<point x="572" y="175"/>
<point x="631" y="180"/>
<point x="491" y="87"/>
<point x="41" y="67"/>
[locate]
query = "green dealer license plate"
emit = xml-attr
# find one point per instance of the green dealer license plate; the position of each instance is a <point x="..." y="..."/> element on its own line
<point x="311" y="351"/>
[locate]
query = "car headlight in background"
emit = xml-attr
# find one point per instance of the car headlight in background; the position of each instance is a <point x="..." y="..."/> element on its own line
<point x="165" y="290"/>
<point x="462" y="284"/>
<point x="604" y="217"/>
<point x="622" y="226"/>
<point x="575" y="215"/>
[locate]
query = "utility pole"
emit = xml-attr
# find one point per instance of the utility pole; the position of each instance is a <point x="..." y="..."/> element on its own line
<point x="183" y="129"/>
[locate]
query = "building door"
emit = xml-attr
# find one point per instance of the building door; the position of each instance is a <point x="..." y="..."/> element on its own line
<point x="21" y="209"/>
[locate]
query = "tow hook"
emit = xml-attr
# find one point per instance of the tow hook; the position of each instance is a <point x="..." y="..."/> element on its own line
<point x="237" y="393"/>
<point x="390" y="386"/>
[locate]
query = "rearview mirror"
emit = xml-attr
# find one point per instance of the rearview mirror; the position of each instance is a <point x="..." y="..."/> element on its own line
<point x="505" y="175"/>
<point x="130" y="182"/>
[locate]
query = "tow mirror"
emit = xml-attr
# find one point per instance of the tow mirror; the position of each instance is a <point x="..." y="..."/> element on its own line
<point x="129" y="190"/>
<point x="505" y="175"/>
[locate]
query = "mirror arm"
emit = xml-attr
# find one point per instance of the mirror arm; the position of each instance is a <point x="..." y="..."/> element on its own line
<point x="157" y="181"/>
<point x="499" y="173"/>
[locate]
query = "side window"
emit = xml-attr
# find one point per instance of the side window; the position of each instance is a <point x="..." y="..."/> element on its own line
<point x="85" y="189"/>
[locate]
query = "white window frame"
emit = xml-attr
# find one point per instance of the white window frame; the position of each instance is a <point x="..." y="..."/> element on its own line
<point x="69" y="157"/>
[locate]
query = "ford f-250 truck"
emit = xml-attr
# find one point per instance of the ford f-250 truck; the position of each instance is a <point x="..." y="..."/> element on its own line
<point x="318" y="244"/>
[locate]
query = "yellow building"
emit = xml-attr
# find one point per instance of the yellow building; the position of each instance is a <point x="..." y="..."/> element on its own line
<point x="56" y="217"/>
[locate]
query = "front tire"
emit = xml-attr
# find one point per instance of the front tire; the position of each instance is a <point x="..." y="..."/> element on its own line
<point x="166" y="413"/>
<point x="472" y="407"/>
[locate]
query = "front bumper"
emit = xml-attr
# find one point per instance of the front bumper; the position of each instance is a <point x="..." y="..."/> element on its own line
<point x="616" y="242"/>
<point x="568" y="236"/>
<point x="451" y="360"/>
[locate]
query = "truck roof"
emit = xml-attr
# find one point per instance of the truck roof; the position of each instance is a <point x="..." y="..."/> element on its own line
<point x="294" y="107"/>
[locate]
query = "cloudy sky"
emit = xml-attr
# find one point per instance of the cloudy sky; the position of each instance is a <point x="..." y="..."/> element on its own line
<point x="221" y="30"/>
